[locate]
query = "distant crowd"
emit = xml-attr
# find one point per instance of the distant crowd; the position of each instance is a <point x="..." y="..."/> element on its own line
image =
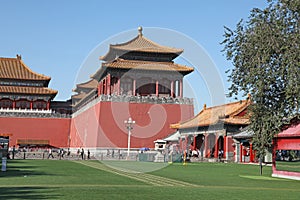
<point x="46" y="153"/>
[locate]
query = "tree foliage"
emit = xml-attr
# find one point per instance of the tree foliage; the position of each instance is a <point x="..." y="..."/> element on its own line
<point x="265" y="54"/>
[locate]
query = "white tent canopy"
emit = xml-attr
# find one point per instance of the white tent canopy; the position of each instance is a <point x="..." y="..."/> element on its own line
<point x="174" y="137"/>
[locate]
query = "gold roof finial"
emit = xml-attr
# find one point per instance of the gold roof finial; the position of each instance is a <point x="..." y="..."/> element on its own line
<point x="248" y="96"/>
<point x="204" y="106"/>
<point x="140" y="29"/>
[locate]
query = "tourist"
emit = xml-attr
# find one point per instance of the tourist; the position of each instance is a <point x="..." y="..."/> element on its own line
<point x="61" y="153"/>
<point x="68" y="154"/>
<point x="82" y="154"/>
<point x="24" y="150"/>
<point x="50" y="153"/>
<point x="13" y="152"/>
<point x="195" y="153"/>
<point x="220" y="154"/>
<point x="89" y="153"/>
<point x="78" y="153"/>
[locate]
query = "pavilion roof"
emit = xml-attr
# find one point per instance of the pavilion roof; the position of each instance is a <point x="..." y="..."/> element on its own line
<point x="27" y="90"/>
<point x="15" y="68"/>
<point x="79" y="96"/>
<point x="138" y="44"/>
<point x="244" y="134"/>
<point x="90" y="84"/>
<point x="227" y="114"/>
<point x="147" y="65"/>
<point x="292" y="131"/>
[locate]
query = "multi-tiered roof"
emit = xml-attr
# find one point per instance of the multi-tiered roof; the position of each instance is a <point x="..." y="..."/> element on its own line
<point x="16" y="78"/>
<point x="141" y="53"/>
<point x="82" y="89"/>
<point x="126" y="64"/>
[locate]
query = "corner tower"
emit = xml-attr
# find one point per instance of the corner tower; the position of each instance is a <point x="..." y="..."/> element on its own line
<point x="137" y="79"/>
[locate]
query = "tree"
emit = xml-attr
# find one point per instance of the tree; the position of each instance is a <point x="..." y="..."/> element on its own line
<point x="264" y="51"/>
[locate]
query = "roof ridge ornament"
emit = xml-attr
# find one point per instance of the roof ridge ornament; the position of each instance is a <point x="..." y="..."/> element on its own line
<point x="140" y="29"/>
<point x="19" y="57"/>
<point x="248" y="97"/>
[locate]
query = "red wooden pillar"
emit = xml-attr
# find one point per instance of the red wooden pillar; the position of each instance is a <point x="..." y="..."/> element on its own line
<point x="195" y="143"/>
<point x="48" y="105"/>
<point x="31" y="105"/>
<point x="225" y="143"/>
<point x="207" y="151"/>
<point x="251" y="153"/>
<point x="14" y="104"/>
<point x="133" y="87"/>
<point x="99" y="88"/>
<point x="118" y="85"/>
<point x="180" y="89"/>
<point x="241" y="152"/>
<point x="274" y="149"/>
<point x="172" y="89"/>
<point x="108" y="84"/>
<point x="216" y="146"/>
<point x="156" y="88"/>
<point x="104" y="86"/>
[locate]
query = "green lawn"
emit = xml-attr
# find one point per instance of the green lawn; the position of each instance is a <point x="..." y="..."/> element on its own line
<point x="288" y="166"/>
<point x="62" y="179"/>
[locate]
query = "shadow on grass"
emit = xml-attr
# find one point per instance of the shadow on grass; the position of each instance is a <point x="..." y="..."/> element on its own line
<point x="28" y="193"/>
<point x="17" y="168"/>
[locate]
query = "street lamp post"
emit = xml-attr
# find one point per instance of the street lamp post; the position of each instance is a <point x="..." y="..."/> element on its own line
<point x="129" y="125"/>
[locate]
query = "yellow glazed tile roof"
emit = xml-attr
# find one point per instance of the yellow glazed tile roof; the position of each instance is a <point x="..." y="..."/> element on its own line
<point x="226" y="113"/>
<point x="27" y="90"/>
<point x="147" y="65"/>
<point x="142" y="44"/>
<point x="15" y="68"/>
<point x="92" y="83"/>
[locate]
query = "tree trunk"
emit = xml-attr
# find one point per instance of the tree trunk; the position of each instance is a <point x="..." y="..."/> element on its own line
<point x="260" y="166"/>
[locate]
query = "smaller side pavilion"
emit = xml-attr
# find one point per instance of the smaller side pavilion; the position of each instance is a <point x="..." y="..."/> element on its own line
<point x="286" y="152"/>
<point x="243" y="143"/>
<point x="211" y="131"/>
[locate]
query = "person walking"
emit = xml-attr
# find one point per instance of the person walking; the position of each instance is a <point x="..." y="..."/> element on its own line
<point x="69" y="153"/>
<point x="13" y="152"/>
<point x="82" y="154"/>
<point x="50" y="153"/>
<point x="78" y="153"/>
<point x="89" y="153"/>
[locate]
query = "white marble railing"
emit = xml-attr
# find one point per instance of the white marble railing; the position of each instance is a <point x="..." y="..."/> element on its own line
<point x="83" y="105"/>
<point x="6" y="112"/>
<point x="25" y="110"/>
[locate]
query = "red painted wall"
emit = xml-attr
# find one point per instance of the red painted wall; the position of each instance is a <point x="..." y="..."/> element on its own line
<point x="230" y="147"/>
<point x="285" y="143"/>
<point x="56" y="130"/>
<point x="292" y="143"/>
<point x="103" y="124"/>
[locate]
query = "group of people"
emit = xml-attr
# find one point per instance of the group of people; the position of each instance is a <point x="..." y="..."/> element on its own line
<point x="80" y="153"/>
<point x="60" y="153"/>
<point x="196" y="153"/>
<point x="40" y="152"/>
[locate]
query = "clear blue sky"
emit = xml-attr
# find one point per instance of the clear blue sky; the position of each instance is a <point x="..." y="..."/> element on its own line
<point x="55" y="37"/>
